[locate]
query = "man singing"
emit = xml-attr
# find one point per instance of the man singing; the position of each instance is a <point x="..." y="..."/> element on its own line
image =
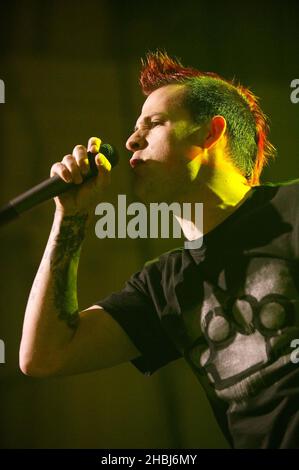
<point x="230" y="307"/>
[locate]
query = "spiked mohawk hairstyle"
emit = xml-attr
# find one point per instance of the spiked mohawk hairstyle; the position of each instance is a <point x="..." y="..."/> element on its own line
<point x="208" y="94"/>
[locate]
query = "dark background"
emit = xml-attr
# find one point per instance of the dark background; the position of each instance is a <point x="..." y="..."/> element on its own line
<point x="71" y="71"/>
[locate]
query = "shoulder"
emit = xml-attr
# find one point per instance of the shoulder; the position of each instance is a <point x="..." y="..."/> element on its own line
<point x="168" y="258"/>
<point x="284" y="198"/>
<point x="167" y="268"/>
<point x="289" y="186"/>
<point x="283" y="195"/>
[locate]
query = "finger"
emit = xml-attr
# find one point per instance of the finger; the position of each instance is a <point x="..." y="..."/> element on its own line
<point x="94" y="144"/>
<point x="104" y="171"/>
<point x="80" y="154"/>
<point x="69" y="161"/>
<point x="103" y="162"/>
<point x="61" y="170"/>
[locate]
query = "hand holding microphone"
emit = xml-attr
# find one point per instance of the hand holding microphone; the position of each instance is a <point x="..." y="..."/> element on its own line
<point x="79" y="167"/>
<point x="91" y="166"/>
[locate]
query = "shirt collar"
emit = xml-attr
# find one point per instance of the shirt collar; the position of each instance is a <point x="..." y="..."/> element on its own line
<point x="198" y="254"/>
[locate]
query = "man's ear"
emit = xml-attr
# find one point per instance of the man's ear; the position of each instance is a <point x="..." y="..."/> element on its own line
<point x="216" y="131"/>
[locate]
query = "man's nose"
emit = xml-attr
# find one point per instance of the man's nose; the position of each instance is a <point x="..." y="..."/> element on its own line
<point x="136" y="141"/>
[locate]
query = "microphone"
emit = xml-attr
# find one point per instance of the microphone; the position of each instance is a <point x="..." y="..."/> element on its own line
<point x="51" y="187"/>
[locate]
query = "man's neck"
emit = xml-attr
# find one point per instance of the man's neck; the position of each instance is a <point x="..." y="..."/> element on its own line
<point x="217" y="206"/>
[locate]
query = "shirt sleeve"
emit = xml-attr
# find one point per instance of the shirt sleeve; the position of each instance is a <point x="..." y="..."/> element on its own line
<point x="136" y="309"/>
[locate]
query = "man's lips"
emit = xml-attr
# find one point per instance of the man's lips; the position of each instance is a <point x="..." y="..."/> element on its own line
<point x="135" y="161"/>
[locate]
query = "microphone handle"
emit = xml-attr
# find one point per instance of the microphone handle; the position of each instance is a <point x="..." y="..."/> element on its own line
<point x="43" y="191"/>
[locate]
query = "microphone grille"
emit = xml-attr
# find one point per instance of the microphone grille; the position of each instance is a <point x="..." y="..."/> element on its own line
<point x="110" y="153"/>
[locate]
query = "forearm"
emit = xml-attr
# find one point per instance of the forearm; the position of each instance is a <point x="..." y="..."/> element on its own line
<point x="52" y="313"/>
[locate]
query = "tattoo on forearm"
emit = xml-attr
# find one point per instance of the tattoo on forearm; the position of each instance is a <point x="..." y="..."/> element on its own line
<point x="64" y="261"/>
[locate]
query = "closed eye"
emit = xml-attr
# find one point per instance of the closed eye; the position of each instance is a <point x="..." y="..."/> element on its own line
<point x="148" y="126"/>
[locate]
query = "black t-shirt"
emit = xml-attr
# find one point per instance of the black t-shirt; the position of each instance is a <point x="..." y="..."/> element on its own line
<point x="231" y="309"/>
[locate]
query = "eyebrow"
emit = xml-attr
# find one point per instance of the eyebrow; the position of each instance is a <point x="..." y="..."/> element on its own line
<point x="147" y="118"/>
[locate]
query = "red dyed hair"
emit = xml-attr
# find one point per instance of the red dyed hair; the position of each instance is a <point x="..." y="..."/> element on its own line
<point x="159" y="69"/>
